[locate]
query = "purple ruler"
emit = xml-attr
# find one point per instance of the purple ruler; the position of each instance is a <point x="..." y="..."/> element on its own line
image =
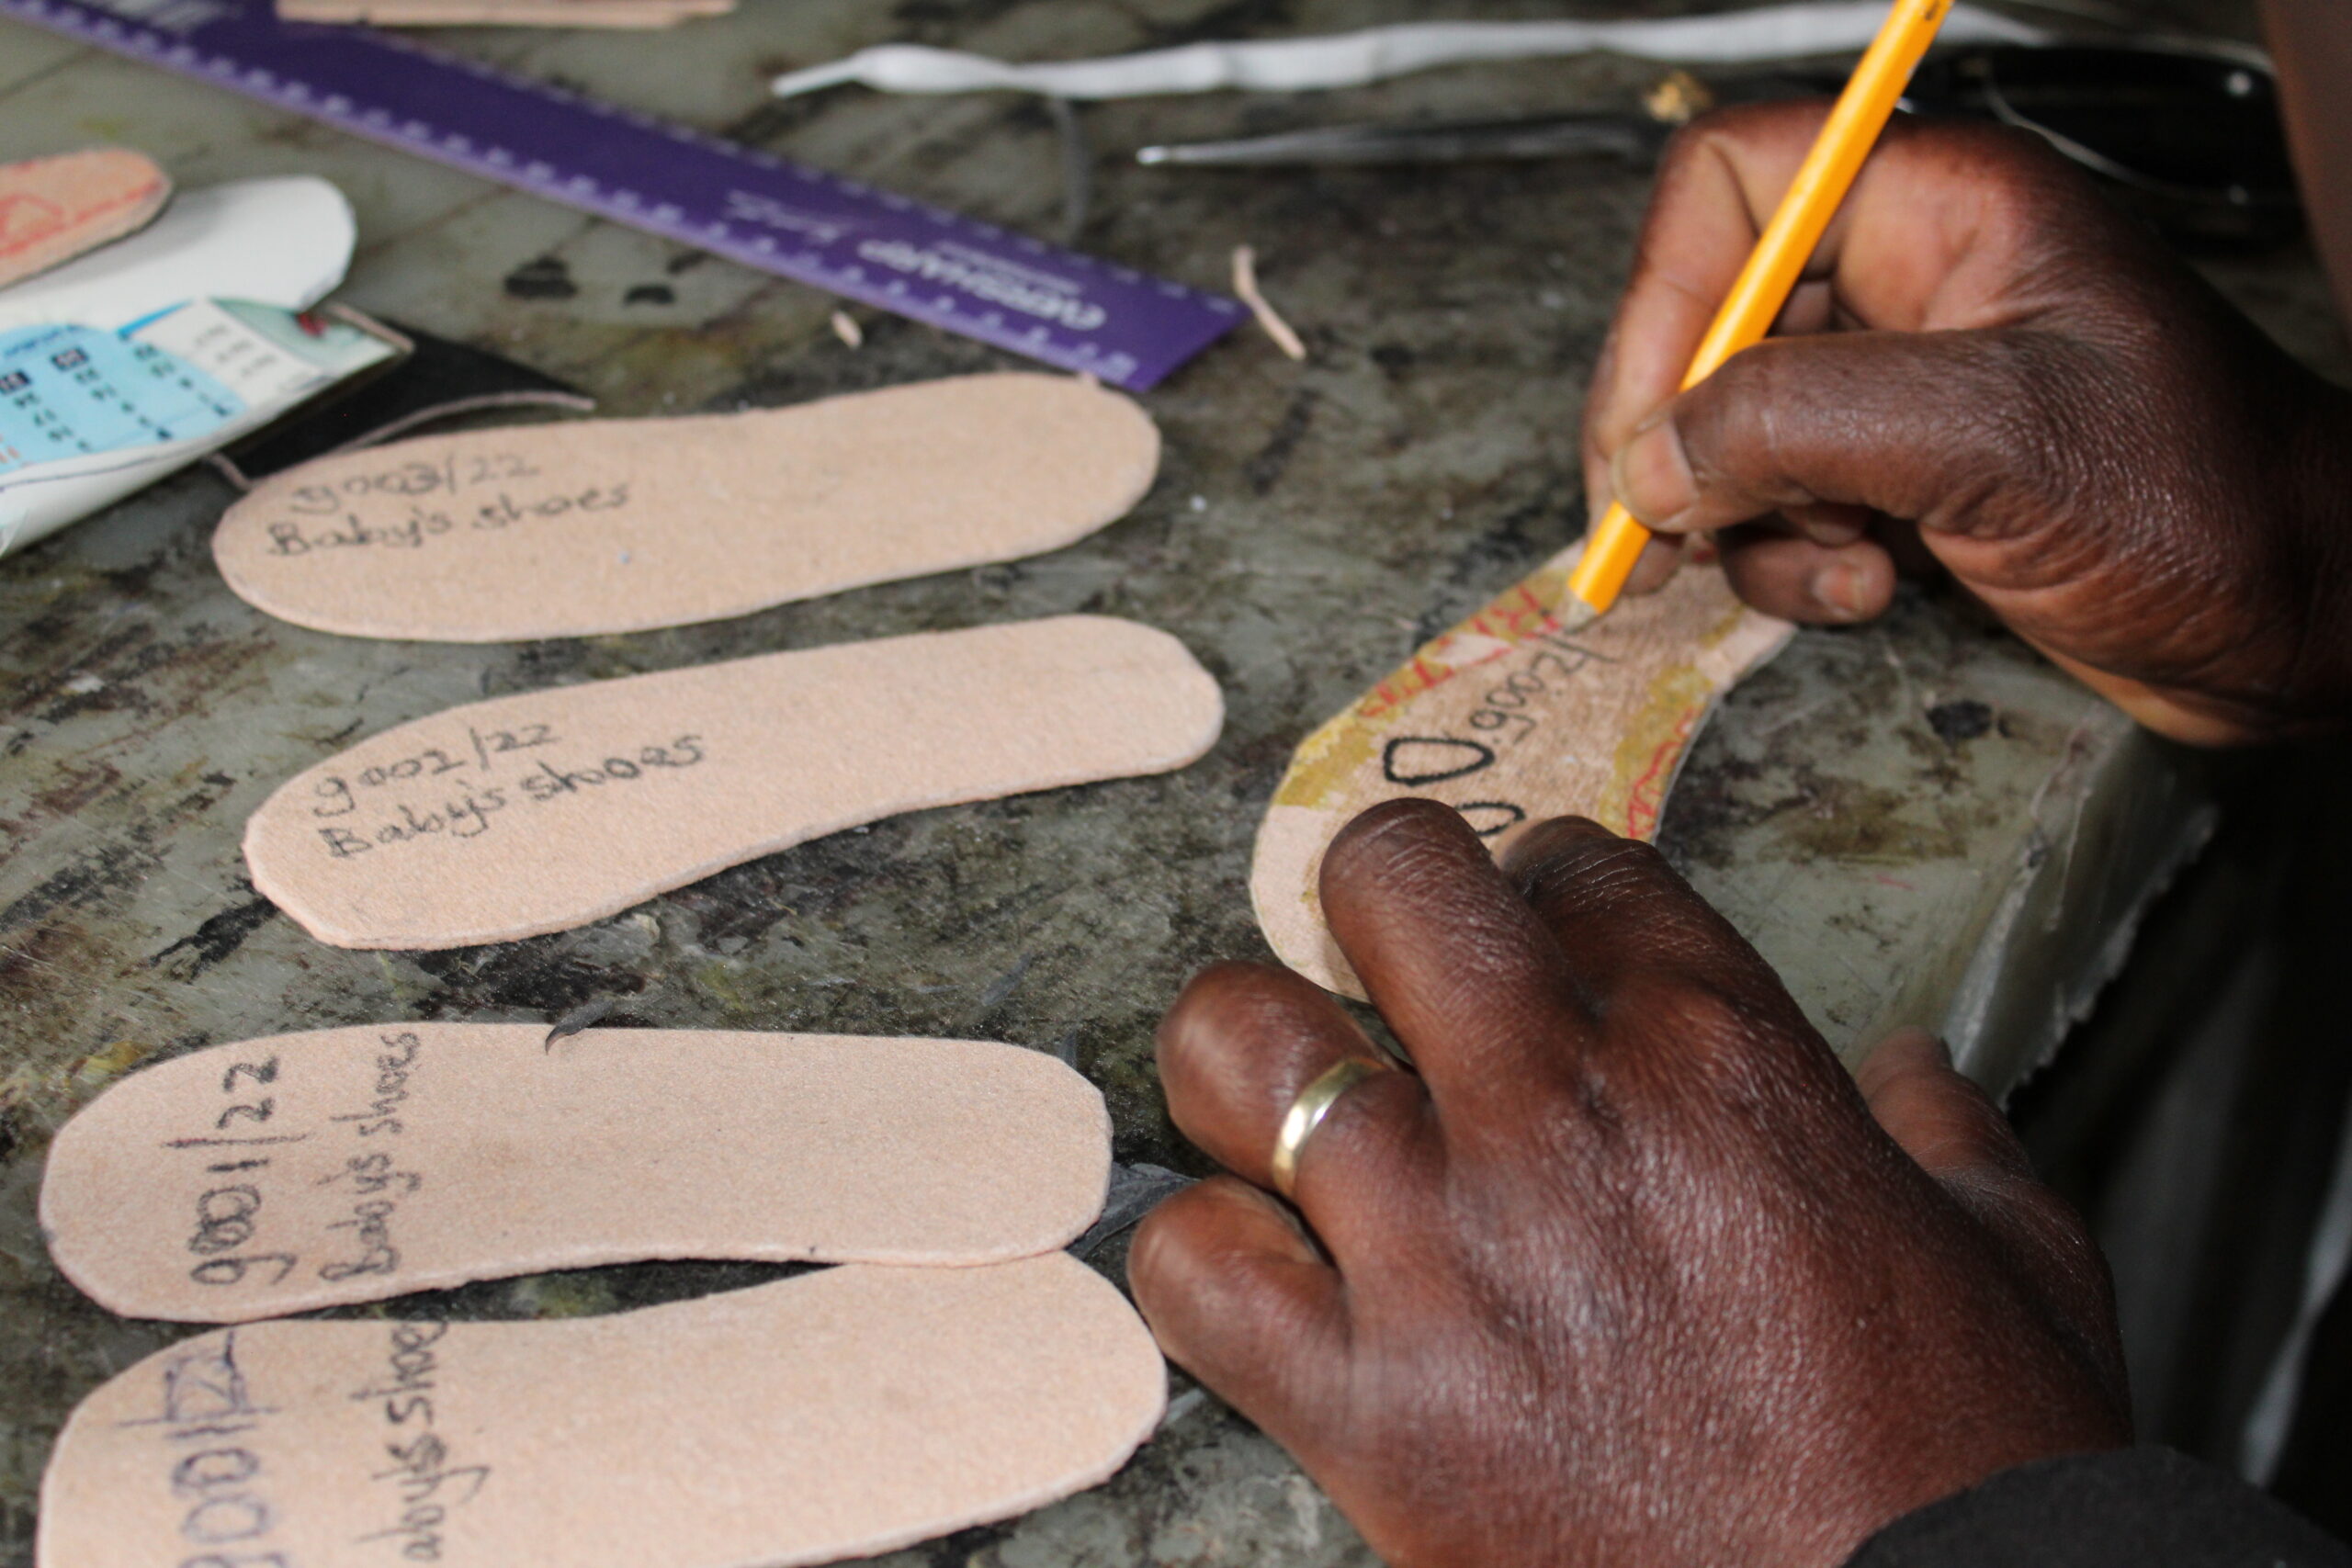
<point x="851" y="239"/>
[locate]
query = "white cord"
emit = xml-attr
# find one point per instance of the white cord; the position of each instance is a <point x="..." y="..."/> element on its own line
<point x="1349" y="59"/>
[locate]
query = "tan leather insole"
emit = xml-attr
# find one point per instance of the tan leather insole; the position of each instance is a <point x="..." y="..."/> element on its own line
<point x="544" y="811"/>
<point x="53" y="209"/>
<point x="842" y="1414"/>
<point x="278" y="1174"/>
<point x="615" y="525"/>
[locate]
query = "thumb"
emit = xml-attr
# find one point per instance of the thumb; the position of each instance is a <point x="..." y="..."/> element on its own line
<point x="1950" y="1127"/>
<point x="1942" y="429"/>
<point x="1952" y="1131"/>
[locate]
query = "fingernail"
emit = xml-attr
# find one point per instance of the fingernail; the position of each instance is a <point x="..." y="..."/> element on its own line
<point x="1835" y="533"/>
<point x="1652" y="474"/>
<point x="1926" y="1040"/>
<point x="1838" y="590"/>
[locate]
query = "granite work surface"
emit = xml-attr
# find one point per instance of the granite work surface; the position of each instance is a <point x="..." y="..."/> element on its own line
<point x="1917" y="821"/>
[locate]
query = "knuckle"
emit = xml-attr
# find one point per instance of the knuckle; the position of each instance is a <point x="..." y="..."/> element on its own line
<point x="1772" y="574"/>
<point x="1226" y="996"/>
<point x="2011" y="159"/>
<point x="1208" y="985"/>
<point x="1195" y="1013"/>
<point x="1991" y="168"/>
<point x="2068" y="1235"/>
<point x="2024" y="432"/>
<point x="1737" y="130"/>
<point x="1701" y="161"/>
<point x="1729" y="438"/>
<point x="1373" y="1130"/>
<point x="1189" y="1242"/>
<point x="2047" y="1240"/>
<point x="1381" y="844"/>
<point x="1573" y="862"/>
<point x="1731" y="1037"/>
<point x="1700" y="1018"/>
<point x="1408" y="820"/>
<point x="1230" y="1049"/>
<point x="1750" y="426"/>
<point x="1409" y="847"/>
<point x="1696" y="138"/>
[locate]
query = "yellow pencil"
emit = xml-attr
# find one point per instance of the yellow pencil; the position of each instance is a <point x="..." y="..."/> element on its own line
<point x="1786" y="243"/>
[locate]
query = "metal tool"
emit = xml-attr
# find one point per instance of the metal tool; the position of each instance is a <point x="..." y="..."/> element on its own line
<point x="2189" y="130"/>
<point x="841" y="235"/>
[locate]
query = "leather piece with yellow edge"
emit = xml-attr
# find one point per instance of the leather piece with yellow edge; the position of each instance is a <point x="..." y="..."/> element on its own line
<point x="1510" y="718"/>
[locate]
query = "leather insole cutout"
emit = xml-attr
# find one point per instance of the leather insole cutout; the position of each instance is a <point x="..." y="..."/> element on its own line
<point x="53" y="209"/>
<point x="279" y="1175"/>
<point x="833" y="1416"/>
<point x="612" y="525"/>
<point x="1509" y="719"/>
<point x="537" y="813"/>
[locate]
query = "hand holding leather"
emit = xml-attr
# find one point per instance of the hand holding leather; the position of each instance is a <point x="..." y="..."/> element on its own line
<point x="1988" y="366"/>
<point x="1627" y="1270"/>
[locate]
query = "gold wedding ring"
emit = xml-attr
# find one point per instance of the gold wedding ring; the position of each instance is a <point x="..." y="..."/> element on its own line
<point x="1306" y="1113"/>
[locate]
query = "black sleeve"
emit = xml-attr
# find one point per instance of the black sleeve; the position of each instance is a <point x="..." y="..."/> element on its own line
<point x="2132" y="1508"/>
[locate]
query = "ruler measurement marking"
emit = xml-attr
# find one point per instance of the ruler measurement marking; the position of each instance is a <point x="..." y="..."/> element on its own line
<point x="1107" y="318"/>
